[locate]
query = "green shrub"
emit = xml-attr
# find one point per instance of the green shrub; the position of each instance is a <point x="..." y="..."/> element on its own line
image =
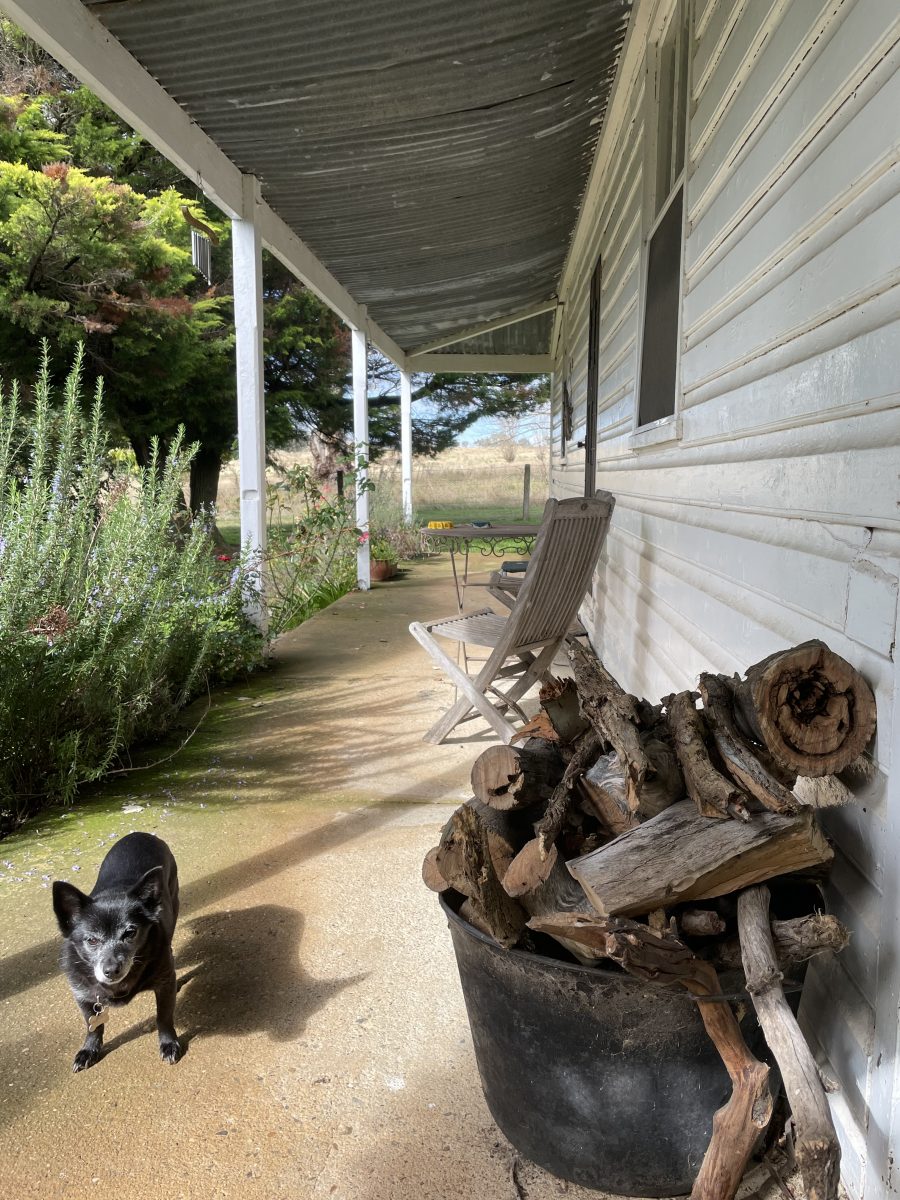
<point x="114" y="611"/>
<point x="312" y="541"/>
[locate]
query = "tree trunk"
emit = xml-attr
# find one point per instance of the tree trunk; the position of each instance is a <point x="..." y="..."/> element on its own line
<point x="205" y="469"/>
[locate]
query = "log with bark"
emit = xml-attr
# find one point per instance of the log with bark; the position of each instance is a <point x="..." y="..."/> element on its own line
<point x="714" y="794"/>
<point x="466" y="859"/>
<point x="810" y="708"/>
<point x="747" y="765"/>
<point x="614" y="714"/>
<point x="816" y="1148"/>
<point x="681" y="855"/>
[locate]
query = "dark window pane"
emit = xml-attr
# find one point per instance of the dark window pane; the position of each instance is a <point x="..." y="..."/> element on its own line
<point x="660" y="349"/>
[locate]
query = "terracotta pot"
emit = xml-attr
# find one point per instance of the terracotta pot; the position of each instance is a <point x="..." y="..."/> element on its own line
<point x="380" y="570"/>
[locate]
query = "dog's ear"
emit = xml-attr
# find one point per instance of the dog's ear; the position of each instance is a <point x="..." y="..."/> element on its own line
<point x="68" y="904"/>
<point x="148" y="889"/>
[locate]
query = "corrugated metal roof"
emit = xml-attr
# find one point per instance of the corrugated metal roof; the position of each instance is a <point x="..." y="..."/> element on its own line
<point x="432" y="155"/>
<point x="520" y="338"/>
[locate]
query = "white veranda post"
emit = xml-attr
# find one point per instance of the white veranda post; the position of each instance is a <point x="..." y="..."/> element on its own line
<point x="248" y="323"/>
<point x="406" y="443"/>
<point x="361" y="443"/>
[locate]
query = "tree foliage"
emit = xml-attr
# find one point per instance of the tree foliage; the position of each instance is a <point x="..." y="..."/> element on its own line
<point x="95" y="251"/>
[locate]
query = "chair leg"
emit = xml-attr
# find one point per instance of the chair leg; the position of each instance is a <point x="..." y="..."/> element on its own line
<point x="471" y="695"/>
<point x="536" y="671"/>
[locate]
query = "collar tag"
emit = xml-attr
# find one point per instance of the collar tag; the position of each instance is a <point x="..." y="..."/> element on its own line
<point x="101" y="1012"/>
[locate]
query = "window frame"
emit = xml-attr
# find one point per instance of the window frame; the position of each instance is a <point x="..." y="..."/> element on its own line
<point x="654" y="210"/>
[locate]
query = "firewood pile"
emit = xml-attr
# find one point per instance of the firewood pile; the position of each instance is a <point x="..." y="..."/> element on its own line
<point x="642" y="836"/>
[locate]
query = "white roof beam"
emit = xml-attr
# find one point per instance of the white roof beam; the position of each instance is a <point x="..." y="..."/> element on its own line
<point x="75" y="38"/>
<point x="483" y="364"/>
<point x="486" y="327"/>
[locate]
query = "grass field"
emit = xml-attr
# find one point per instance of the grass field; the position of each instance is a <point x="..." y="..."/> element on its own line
<point x="463" y="484"/>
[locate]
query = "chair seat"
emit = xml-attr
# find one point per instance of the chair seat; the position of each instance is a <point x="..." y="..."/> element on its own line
<point x="480" y="628"/>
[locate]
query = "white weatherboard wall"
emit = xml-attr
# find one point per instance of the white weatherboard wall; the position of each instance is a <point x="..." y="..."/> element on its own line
<point x="767" y="511"/>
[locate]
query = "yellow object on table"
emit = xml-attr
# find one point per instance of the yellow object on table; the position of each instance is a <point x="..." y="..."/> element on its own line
<point x="440" y="524"/>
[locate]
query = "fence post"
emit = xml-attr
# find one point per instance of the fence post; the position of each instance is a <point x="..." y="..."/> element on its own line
<point x="526" y="492"/>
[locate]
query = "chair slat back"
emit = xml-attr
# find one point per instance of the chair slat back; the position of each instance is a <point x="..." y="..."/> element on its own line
<point x="566" y="551"/>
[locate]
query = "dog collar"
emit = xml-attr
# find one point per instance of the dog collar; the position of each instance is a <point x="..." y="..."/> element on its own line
<point x="101" y="1012"/>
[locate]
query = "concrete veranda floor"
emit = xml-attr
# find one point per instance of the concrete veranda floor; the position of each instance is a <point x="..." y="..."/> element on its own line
<point x="328" y="1048"/>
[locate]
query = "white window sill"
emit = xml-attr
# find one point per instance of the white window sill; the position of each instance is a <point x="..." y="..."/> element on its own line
<point x="668" y="429"/>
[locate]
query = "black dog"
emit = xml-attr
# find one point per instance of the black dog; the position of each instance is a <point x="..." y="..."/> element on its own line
<point x="119" y="939"/>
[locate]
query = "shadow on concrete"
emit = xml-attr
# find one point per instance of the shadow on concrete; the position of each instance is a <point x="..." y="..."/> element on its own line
<point x="245" y="977"/>
<point x="33" y="966"/>
<point x="248" y="976"/>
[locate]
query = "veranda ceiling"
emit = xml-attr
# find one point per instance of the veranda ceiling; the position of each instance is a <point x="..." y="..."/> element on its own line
<point x="432" y="155"/>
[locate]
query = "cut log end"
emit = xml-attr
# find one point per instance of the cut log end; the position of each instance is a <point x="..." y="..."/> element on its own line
<point x="813" y="711"/>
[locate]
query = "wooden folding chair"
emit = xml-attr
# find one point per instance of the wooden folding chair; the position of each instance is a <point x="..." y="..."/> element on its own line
<point x="524" y="643"/>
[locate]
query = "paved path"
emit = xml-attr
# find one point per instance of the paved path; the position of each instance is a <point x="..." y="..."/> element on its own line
<point x="329" y="1054"/>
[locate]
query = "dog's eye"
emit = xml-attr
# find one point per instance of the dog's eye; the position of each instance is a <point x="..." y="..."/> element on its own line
<point x="128" y="934"/>
<point x="92" y="941"/>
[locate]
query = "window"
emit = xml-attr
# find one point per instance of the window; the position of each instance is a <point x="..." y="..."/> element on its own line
<point x="664" y="206"/>
<point x="593" y="384"/>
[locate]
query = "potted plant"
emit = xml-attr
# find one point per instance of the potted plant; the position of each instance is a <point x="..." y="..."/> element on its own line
<point x="383" y="560"/>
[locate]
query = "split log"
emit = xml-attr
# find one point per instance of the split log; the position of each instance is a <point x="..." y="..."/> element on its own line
<point x="513" y="777"/>
<point x="431" y="872"/>
<point x="809" y="707"/>
<point x="659" y="958"/>
<point x="680" y="856"/>
<point x="539" y="726"/>
<point x="714" y="795"/>
<point x="816" y="1146"/>
<point x="559" y="700"/>
<point x="614" y="714"/>
<point x="700" y="922"/>
<point x="530" y="868"/>
<point x="743" y="764"/>
<point x="550" y="825"/>
<point x="467" y="865"/>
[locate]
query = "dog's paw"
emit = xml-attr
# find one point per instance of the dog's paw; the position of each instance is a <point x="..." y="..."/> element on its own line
<point x="170" y="1052"/>
<point x="85" y="1059"/>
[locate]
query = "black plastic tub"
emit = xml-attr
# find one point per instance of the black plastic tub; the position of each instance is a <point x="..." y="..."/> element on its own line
<point x="598" y="1078"/>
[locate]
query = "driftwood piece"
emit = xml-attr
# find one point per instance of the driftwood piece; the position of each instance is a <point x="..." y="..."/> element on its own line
<point x="809" y="707"/>
<point x="540" y="726"/>
<point x="557" y="894"/>
<point x="660" y="958"/>
<point x="700" y="922"/>
<point x="559" y="700"/>
<point x="550" y="825"/>
<point x="816" y="1146"/>
<point x="711" y="791"/>
<point x="476" y="877"/>
<point x="606" y="786"/>
<point x="801" y="938"/>
<point x="680" y="856"/>
<point x="796" y="940"/>
<point x="597" y="801"/>
<point x="614" y="714"/>
<point x="742" y="763"/>
<point x="513" y="777"/>
<point x="431" y="872"/>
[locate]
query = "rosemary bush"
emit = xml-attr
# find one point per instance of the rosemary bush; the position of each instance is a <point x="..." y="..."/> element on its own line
<point x="113" y="609"/>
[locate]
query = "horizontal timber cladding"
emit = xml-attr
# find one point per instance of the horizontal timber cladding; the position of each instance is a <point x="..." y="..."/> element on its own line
<point x="768" y="511"/>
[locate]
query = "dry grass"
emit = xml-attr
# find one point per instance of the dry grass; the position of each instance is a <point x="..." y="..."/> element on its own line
<point x="465" y="483"/>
